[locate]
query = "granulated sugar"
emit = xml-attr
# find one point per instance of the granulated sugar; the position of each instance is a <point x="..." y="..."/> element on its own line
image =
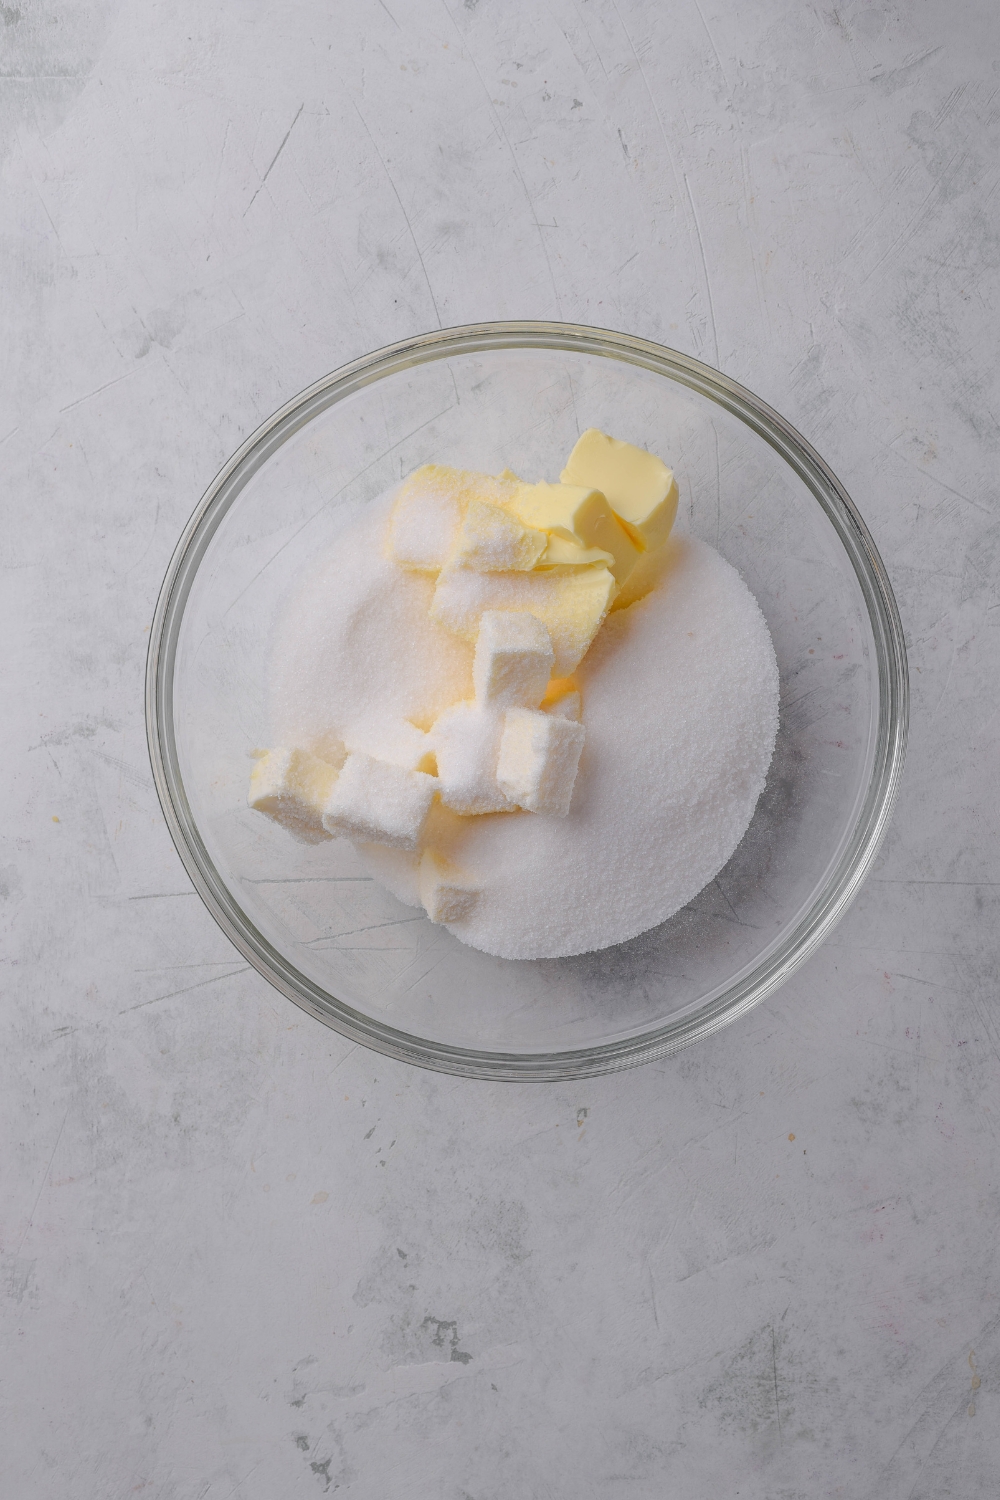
<point x="680" y="706"/>
<point x="357" y="652"/>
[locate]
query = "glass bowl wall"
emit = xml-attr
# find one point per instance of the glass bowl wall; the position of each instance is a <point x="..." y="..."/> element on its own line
<point x="518" y="394"/>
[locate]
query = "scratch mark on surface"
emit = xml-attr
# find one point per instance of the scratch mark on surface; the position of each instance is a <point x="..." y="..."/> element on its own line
<point x="45" y="1178"/>
<point x="979" y="884"/>
<point x="651" y="96"/>
<point x="935" y="1396"/>
<point x="774" y="1371"/>
<point x="704" y="267"/>
<point x="171" y="994"/>
<point x="335" y="937"/>
<point x="745" y="172"/>
<point x="911" y="224"/>
<point x="90" y="394"/>
<point x="711" y="38"/>
<point x="395" y="193"/>
<point x="652" y="1295"/>
<point x="934" y="478"/>
<point x="389" y="13"/>
<point x="987" y="1026"/>
<point x="214" y="963"/>
<point x="241" y="1482"/>
<point x="308" y="879"/>
<point x="736" y="917"/>
<point x="162" y="895"/>
<point x="346" y="1055"/>
<point x="274" y="158"/>
<point x="128" y="773"/>
<point x="513" y="157"/>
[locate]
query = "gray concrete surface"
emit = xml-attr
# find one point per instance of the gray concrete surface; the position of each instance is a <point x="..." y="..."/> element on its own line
<point x="242" y="1260"/>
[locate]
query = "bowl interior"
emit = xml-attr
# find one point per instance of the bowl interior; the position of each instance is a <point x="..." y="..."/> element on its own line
<point x="309" y="917"/>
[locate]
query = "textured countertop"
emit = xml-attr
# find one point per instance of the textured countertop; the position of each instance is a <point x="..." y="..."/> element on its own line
<point x="243" y="1259"/>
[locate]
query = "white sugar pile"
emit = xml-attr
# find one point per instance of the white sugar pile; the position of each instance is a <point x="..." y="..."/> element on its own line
<point x="357" y="650"/>
<point x="680" y="706"/>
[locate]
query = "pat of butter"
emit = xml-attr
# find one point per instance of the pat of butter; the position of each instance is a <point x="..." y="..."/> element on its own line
<point x="292" y="787"/>
<point x="639" y="487"/>
<point x="580" y="516"/>
<point x="494" y="541"/>
<point x="430" y="506"/>
<point x="561" y="553"/>
<point x="571" y="605"/>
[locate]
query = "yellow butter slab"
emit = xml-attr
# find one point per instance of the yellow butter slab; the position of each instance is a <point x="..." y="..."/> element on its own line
<point x="493" y="540"/>
<point x="639" y="487"/>
<point x="429" y="510"/>
<point x="577" y="514"/>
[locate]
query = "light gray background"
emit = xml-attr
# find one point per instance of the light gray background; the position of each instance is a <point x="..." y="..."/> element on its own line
<point x="243" y="1260"/>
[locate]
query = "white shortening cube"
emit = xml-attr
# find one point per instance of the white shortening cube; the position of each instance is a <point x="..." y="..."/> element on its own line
<point x="513" y="660"/>
<point x="538" y="760"/>
<point x="466" y="741"/>
<point x="446" y="895"/>
<point x="375" y="802"/>
<point x="292" y="787"/>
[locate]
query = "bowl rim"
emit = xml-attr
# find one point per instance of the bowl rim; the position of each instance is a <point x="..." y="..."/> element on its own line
<point x="871" y="817"/>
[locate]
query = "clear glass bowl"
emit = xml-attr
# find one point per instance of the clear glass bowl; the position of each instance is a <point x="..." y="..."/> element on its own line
<point x="309" y="918"/>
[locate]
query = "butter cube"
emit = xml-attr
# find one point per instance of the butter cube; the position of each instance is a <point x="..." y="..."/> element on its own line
<point x="639" y="487"/>
<point x="648" y="573"/>
<point x="580" y="515"/>
<point x="494" y="541"/>
<point x="513" y="659"/>
<point x="538" y="760"/>
<point x="466" y="740"/>
<point x="373" y="801"/>
<point x="425" y="521"/>
<point x="430" y="505"/>
<point x="446" y="894"/>
<point x="562" y="553"/>
<point x="571" y="605"/>
<point x="292" y="787"/>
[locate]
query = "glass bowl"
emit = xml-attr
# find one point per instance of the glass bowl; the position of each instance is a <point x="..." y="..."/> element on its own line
<point x="309" y="918"/>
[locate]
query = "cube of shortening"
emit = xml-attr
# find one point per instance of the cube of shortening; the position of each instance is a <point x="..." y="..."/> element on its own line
<point x="513" y="659"/>
<point x="375" y="802"/>
<point x="446" y="894"/>
<point x="292" y="787"/>
<point x="538" y="760"/>
<point x="466" y="739"/>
